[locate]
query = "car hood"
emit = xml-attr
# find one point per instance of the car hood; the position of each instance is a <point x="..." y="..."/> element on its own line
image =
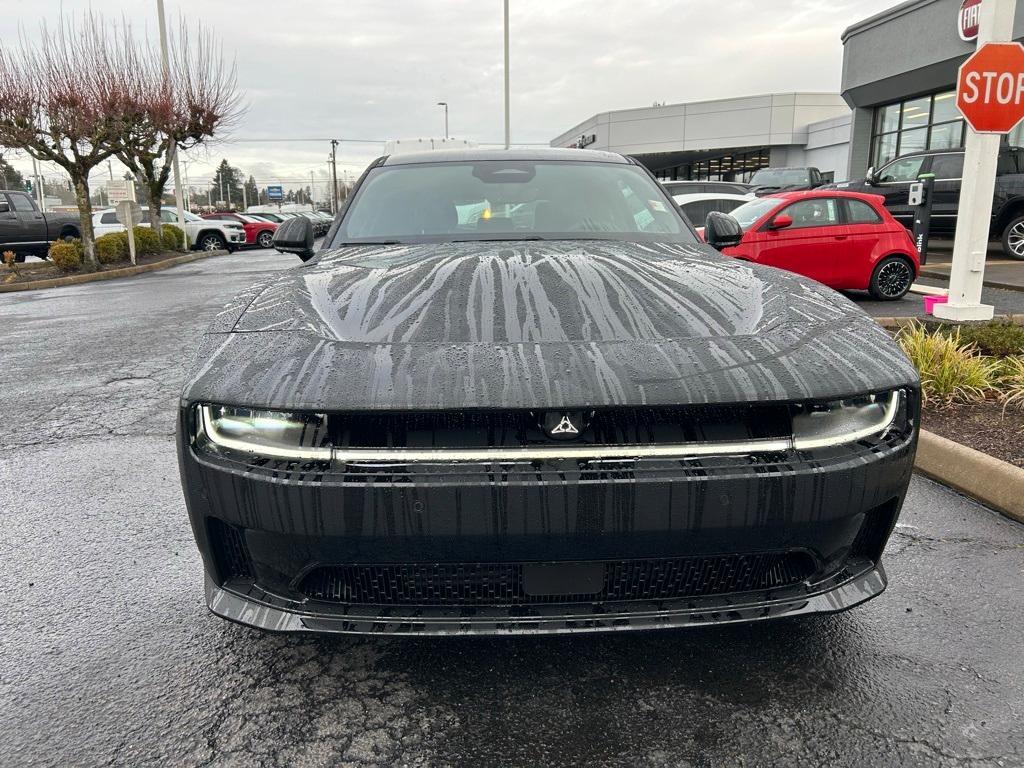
<point x="500" y="324"/>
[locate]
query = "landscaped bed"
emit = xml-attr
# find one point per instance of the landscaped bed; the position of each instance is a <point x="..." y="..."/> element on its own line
<point x="972" y="381"/>
<point x="112" y="251"/>
<point x="45" y="270"/>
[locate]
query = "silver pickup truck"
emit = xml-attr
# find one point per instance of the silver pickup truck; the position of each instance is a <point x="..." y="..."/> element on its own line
<point x="26" y="230"/>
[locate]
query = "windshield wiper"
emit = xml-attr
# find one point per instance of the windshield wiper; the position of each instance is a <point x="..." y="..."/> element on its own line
<point x="372" y="242"/>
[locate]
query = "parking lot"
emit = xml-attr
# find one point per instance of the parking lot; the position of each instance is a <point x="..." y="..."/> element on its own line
<point x="109" y="655"/>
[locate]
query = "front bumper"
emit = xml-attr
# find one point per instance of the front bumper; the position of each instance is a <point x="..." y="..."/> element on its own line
<point x="262" y="610"/>
<point x="834" y="506"/>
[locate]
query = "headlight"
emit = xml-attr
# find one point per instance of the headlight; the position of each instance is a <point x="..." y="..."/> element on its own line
<point x="845" y="421"/>
<point x="274" y="434"/>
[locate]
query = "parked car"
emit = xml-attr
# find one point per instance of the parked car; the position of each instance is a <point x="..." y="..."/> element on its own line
<point x="258" y="232"/>
<point x="581" y="419"/>
<point x="272" y="217"/>
<point x="28" y="231"/>
<point x="705" y="187"/>
<point x="320" y="226"/>
<point x="892" y="181"/>
<point x="697" y="207"/>
<point x="201" y="233"/>
<point x="770" y="180"/>
<point x="845" y="240"/>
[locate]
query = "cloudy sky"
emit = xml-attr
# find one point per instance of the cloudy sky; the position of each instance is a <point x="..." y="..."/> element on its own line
<point x="369" y="70"/>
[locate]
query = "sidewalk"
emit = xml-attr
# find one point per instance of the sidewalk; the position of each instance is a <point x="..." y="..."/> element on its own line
<point x="1000" y="272"/>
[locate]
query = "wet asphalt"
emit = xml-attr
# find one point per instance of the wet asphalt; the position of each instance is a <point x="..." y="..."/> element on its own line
<point x="109" y="657"/>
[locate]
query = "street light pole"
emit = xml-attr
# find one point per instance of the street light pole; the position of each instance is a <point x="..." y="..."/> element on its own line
<point x="508" y="140"/>
<point x="334" y="175"/>
<point x="445" y="105"/>
<point x="172" y="151"/>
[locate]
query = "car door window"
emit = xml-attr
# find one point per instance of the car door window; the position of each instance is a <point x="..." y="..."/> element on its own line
<point x="948" y="166"/>
<point x="903" y="170"/>
<point x="108" y="218"/>
<point x="819" y="212"/>
<point x="859" y="212"/>
<point x="696" y="212"/>
<point x="22" y="204"/>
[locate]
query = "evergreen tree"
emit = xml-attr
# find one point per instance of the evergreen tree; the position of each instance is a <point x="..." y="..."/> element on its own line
<point x="227" y="185"/>
<point x="9" y="176"/>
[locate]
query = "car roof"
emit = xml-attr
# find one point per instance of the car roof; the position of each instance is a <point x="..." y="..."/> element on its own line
<point x="694" y="197"/>
<point x="546" y="154"/>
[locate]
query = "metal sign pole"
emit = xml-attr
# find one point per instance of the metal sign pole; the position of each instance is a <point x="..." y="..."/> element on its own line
<point x="974" y="216"/>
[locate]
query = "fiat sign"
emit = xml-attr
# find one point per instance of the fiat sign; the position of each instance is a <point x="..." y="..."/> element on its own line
<point x="990" y="88"/>
<point x="967" y="19"/>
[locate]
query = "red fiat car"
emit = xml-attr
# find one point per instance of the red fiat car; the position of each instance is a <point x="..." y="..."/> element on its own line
<point x="257" y="231"/>
<point x="846" y="240"/>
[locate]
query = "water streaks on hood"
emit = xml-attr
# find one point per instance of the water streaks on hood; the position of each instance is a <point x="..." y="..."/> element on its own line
<point x="538" y="325"/>
<point x="521" y="292"/>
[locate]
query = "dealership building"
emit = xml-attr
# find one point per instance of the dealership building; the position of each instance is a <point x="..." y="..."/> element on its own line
<point x="897" y="96"/>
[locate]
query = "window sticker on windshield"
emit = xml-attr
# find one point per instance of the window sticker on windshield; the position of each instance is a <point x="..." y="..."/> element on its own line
<point x="656" y="205"/>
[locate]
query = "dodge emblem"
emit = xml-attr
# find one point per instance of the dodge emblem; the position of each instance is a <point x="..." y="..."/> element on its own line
<point x="565" y="427"/>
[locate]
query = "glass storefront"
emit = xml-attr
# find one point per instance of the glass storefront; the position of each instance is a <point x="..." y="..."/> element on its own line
<point x="924" y="122"/>
<point x="737" y="166"/>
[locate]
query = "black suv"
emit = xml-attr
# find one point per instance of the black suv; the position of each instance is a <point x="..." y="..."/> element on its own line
<point x="892" y="181"/>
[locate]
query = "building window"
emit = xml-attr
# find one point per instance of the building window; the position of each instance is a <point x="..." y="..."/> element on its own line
<point x="925" y="122"/>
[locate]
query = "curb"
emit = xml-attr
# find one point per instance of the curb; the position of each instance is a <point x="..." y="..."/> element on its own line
<point x="991" y="481"/>
<point x="925" y="272"/>
<point x="895" y="323"/>
<point x="110" y="274"/>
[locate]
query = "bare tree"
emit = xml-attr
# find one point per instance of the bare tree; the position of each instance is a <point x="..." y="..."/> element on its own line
<point x="68" y="98"/>
<point x="195" y="99"/>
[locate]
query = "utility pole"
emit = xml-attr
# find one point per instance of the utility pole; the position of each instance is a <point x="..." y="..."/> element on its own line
<point x="445" y="105"/>
<point x="508" y="139"/>
<point x="334" y="175"/>
<point x="38" y="182"/>
<point x="981" y="156"/>
<point x="311" y="188"/>
<point x="172" y="151"/>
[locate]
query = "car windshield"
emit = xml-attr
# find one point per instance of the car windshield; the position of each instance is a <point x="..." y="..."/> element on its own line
<point x="780" y="177"/>
<point x="750" y="212"/>
<point x="510" y="200"/>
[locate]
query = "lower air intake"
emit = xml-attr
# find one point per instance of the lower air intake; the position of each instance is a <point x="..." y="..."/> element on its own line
<point x="229" y="551"/>
<point x="479" y="584"/>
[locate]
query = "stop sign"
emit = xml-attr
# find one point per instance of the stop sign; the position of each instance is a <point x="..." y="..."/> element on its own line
<point x="990" y="88"/>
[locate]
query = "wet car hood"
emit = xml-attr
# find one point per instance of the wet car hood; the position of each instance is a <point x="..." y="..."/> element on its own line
<point x="538" y="324"/>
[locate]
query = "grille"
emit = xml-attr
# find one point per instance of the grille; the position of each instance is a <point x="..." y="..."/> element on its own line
<point x="229" y="550"/>
<point x="479" y="584"/>
<point x="519" y="428"/>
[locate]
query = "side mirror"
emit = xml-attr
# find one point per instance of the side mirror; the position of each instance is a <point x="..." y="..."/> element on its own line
<point x="722" y="231"/>
<point x="295" y="235"/>
<point x="781" y="221"/>
<point x="5" y="207"/>
<point x="870" y="177"/>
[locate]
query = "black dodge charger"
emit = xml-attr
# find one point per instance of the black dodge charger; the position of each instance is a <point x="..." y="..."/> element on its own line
<point x="514" y="392"/>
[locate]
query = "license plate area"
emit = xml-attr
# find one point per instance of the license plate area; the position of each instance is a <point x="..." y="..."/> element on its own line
<point x="553" y="579"/>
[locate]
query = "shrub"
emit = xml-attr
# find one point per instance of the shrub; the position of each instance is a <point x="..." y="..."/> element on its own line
<point x="172" y="237"/>
<point x="951" y="371"/>
<point x="999" y="339"/>
<point x="67" y="255"/>
<point x="1011" y="381"/>
<point x="112" y="247"/>
<point x="147" y="240"/>
<point x="9" y="257"/>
